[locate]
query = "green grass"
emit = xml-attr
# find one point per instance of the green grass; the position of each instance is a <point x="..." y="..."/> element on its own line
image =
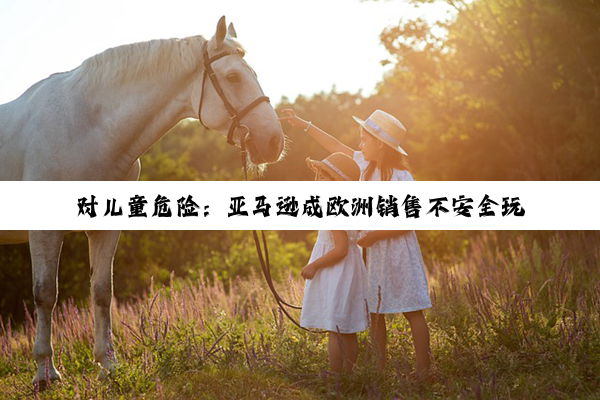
<point x="520" y="321"/>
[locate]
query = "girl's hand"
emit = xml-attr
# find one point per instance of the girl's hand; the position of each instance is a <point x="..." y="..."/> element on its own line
<point x="368" y="239"/>
<point x="309" y="272"/>
<point x="294" y="120"/>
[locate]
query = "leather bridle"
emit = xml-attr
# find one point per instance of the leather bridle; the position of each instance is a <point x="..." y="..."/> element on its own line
<point x="235" y="116"/>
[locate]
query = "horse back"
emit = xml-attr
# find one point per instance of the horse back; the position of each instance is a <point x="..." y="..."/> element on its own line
<point x="37" y="129"/>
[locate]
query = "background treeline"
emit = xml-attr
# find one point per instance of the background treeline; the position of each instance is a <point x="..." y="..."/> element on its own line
<point x="506" y="90"/>
<point x="167" y="257"/>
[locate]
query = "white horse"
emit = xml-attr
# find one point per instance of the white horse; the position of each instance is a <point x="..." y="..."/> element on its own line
<point x="45" y="247"/>
<point x="94" y="123"/>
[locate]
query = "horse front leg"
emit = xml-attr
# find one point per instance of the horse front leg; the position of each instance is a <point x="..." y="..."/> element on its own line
<point x="45" y="247"/>
<point x="103" y="245"/>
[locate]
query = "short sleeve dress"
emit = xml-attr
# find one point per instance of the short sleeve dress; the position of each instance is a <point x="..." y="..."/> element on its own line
<point x="395" y="266"/>
<point x="335" y="298"/>
<point x="397" y="175"/>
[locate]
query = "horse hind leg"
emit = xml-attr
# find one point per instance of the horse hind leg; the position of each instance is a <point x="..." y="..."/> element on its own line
<point x="45" y="247"/>
<point x="103" y="245"/>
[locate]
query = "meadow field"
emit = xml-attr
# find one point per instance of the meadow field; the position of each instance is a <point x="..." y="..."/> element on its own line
<point x="508" y="321"/>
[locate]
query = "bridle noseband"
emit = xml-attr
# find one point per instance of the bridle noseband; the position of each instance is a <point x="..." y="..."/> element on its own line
<point x="235" y="116"/>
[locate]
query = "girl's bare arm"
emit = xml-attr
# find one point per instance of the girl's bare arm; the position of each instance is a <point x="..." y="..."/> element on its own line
<point x="331" y="144"/>
<point x="339" y="251"/>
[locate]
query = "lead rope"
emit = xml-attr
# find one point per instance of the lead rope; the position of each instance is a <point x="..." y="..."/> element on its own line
<point x="243" y="153"/>
<point x="266" y="268"/>
<point x="244" y="162"/>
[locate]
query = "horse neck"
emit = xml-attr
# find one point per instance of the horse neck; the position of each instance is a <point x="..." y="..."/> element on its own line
<point x="137" y="110"/>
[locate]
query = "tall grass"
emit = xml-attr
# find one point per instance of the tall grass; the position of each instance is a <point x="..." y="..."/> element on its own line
<point x="525" y="318"/>
<point x="514" y="319"/>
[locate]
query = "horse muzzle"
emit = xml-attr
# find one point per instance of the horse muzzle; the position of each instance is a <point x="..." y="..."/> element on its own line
<point x="260" y="151"/>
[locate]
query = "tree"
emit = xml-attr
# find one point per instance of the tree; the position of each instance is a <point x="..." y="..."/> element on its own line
<point x="504" y="90"/>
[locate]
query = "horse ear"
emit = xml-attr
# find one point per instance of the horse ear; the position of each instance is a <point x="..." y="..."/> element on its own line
<point x="231" y="30"/>
<point x="221" y="31"/>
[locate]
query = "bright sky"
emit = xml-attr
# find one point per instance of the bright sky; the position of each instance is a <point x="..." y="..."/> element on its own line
<point x="296" y="47"/>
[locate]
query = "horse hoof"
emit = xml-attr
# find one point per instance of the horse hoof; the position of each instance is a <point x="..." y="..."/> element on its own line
<point x="109" y="365"/>
<point x="40" y="383"/>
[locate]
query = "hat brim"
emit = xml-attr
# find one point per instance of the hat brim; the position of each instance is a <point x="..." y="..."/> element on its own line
<point x="372" y="132"/>
<point x="316" y="165"/>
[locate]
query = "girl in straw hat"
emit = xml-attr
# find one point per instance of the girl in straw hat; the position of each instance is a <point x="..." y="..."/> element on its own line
<point x="380" y="157"/>
<point x="335" y="290"/>
<point x="336" y="167"/>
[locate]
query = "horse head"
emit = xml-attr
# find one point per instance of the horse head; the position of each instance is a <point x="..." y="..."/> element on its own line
<point x="232" y="101"/>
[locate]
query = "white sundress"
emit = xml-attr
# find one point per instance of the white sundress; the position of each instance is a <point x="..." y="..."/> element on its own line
<point x="335" y="298"/>
<point x="396" y="266"/>
<point x="397" y="175"/>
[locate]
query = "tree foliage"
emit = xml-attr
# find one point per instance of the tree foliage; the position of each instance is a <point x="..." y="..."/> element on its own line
<point x="507" y="90"/>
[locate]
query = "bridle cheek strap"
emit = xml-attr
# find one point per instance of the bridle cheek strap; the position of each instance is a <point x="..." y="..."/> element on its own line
<point x="235" y="116"/>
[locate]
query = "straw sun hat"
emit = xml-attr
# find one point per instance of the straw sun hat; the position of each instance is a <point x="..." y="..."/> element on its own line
<point x="386" y="128"/>
<point x="338" y="166"/>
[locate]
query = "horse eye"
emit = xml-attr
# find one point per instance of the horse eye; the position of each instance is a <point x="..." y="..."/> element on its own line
<point x="233" y="77"/>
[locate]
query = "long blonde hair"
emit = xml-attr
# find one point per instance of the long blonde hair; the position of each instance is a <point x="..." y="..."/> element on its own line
<point x="390" y="160"/>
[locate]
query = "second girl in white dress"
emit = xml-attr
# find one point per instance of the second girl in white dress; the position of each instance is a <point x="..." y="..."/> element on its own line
<point x="335" y="295"/>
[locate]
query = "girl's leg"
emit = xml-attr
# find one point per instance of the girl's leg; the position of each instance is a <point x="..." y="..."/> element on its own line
<point x="351" y="347"/>
<point x="379" y="338"/>
<point x="335" y="353"/>
<point x="343" y="351"/>
<point x="420" y="333"/>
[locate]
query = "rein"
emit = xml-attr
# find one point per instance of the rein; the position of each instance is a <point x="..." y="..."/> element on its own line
<point x="266" y="268"/>
<point x="233" y="114"/>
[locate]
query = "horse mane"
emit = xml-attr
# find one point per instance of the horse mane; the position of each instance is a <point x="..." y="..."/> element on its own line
<point x="133" y="62"/>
